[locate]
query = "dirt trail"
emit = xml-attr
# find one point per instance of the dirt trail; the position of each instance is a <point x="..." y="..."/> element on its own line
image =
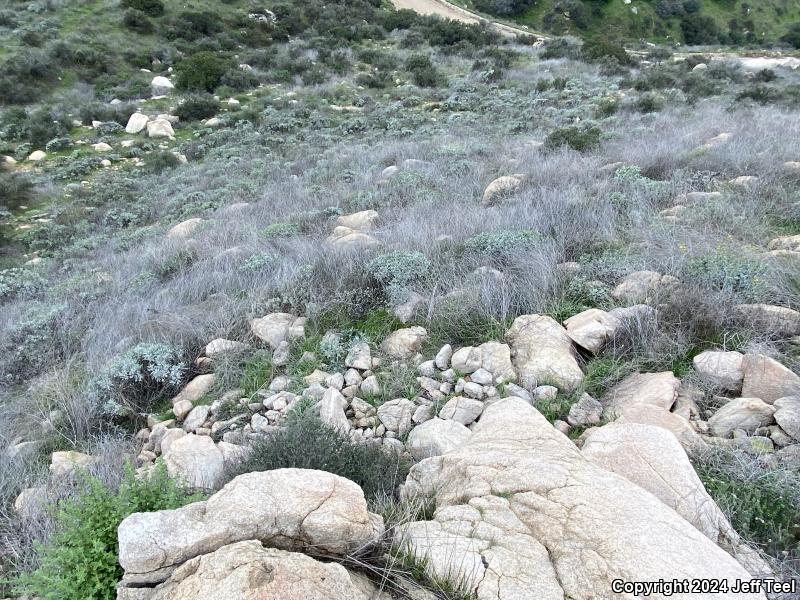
<point x="451" y="11"/>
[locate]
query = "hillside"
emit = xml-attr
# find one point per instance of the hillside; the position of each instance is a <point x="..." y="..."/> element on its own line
<point x="331" y="300"/>
<point x="690" y="22"/>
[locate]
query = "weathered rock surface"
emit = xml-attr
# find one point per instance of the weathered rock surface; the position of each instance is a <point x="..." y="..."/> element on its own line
<point x="653" y="459"/>
<point x="345" y="237"/>
<point x="404" y="343"/>
<point x="722" y="368"/>
<point x="591" y="329"/>
<point x="396" y="415"/>
<point x="359" y="357"/>
<point x="136" y="123"/>
<point x="586" y="411"/>
<point x="657" y="389"/>
<point x="160" y="128"/>
<point x="360" y="221"/>
<point x="648" y="414"/>
<point x="185" y="228"/>
<point x="331" y="410"/>
<point x="435" y="437"/>
<point x="747" y="414"/>
<point x="644" y="287"/>
<point x="787" y="415"/>
<point x="248" y="571"/>
<point x="275" y="328"/>
<point x="774" y="320"/>
<point x="290" y="509"/>
<point x="221" y="346"/>
<point x="542" y="352"/>
<point x="195" y="389"/>
<point x="767" y="379"/>
<point x="463" y="410"/>
<point x="500" y="188"/>
<point x="64" y="463"/>
<point x="160" y="86"/>
<point x="493" y="357"/>
<point x="31" y="501"/>
<point x="195" y="460"/>
<point x="521" y="513"/>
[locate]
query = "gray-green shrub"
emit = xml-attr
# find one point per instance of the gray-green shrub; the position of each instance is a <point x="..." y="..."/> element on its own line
<point x="306" y="443"/>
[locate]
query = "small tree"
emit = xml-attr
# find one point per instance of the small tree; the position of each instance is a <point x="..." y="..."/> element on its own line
<point x="202" y="71"/>
<point x="152" y="8"/>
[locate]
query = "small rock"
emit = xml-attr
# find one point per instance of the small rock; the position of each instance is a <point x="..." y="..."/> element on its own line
<point x="136" y="123"/>
<point x="586" y="411"/>
<point x="359" y="357"/>
<point x="463" y="410"/>
<point x="436" y="437"/>
<point x="404" y="343"/>
<point x="466" y="360"/>
<point x="182" y="408"/>
<point x="442" y="359"/>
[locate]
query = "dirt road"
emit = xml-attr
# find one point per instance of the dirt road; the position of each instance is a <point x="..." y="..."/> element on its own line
<point x="451" y="11"/>
<point x="447" y="10"/>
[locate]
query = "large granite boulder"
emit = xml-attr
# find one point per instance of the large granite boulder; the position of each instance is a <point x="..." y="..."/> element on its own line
<point x="657" y="389"/>
<point x="654" y="460"/>
<point x="542" y="353"/>
<point x="248" y="571"/>
<point x="290" y="509"/>
<point x="521" y="513"/>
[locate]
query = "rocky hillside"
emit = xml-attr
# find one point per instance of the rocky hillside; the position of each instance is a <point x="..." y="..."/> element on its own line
<point x="307" y="300"/>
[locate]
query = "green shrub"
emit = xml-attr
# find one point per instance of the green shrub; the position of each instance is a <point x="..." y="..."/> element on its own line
<point x="504" y="242"/>
<point x="34" y="342"/>
<point x="202" y="71"/>
<point x="133" y="380"/>
<point x="606" y="107"/>
<point x="238" y="80"/>
<point x="281" y="230"/>
<point x="259" y="261"/>
<point x="596" y="49"/>
<point x="760" y="93"/>
<point x="699" y="29"/>
<point x="503" y="8"/>
<point x="15" y="190"/>
<point x="762" y="503"/>
<point x="648" y="103"/>
<point x="306" y="443"/>
<point x="561" y="48"/>
<point x="399" y="268"/>
<point x="58" y="144"/>
<point x="199" y="25"/>
<point x="397" y="271"/>
<point x="197" y="106"/>
<point x="581" y="139"/>
<point x="25" y="76"/>
<point x="161" y="160"/>
<point x="80" y="561"/>
<point x="423" y="72"/>
<point x="152" y="8"/>
<point x="136" y="20"/>
<point x="730" y="272"/>
<point x="44" y="124"/>
<point x="20" y="282"/>
<point x="792" y="37"/>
